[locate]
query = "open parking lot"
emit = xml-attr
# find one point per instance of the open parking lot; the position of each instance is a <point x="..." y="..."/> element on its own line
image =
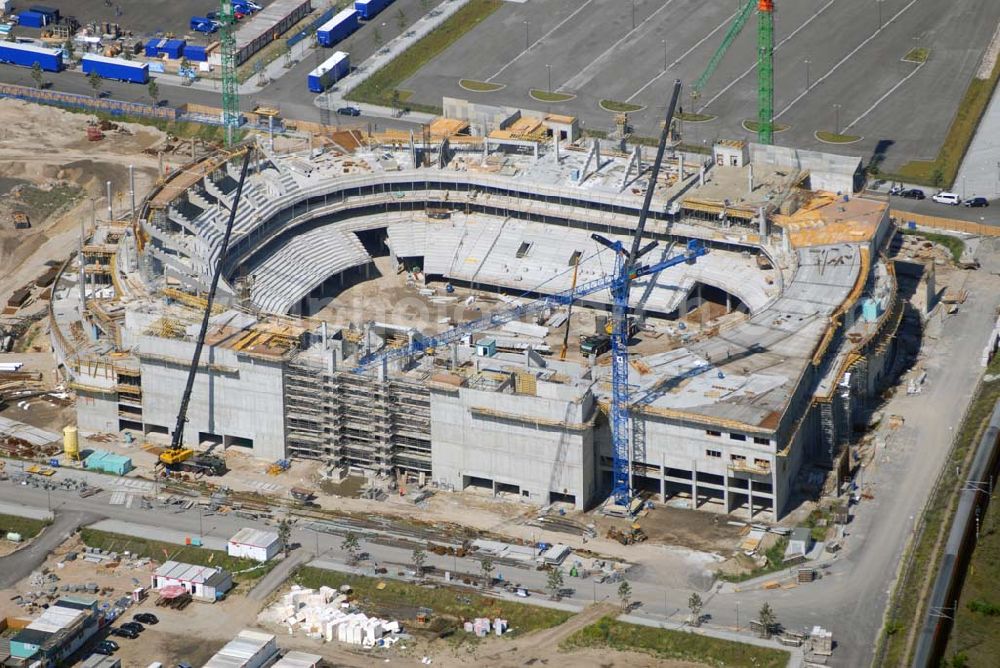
<point x="141" y="17"/>
<point x="591" y="50"/>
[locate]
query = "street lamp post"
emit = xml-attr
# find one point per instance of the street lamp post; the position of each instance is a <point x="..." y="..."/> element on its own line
<point x="878" y="3"/>
<point x="836" y="112"/>
<point x="525" y="34"/>
<point x="737" y="616"/>
<point x="664" y="55"/>
<point x="201" y="526"/>
<point x="633" y="14"/>
<point x="548" y="70"/>
<point x="807" y="61"/>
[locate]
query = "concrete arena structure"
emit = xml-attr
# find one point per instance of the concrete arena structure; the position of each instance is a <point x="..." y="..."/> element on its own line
<point x="728" y="413"/>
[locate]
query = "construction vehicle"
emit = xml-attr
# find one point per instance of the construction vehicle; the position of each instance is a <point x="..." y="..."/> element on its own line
<point x="634" y="534"/>
<point x="176" y="455"/>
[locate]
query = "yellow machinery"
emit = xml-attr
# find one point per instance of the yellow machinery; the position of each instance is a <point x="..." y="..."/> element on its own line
<point x="175" y="456"/>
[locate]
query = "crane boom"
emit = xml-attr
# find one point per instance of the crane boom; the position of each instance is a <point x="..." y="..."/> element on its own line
<point x="173" y="455"/>
<point x="734" y="30"/>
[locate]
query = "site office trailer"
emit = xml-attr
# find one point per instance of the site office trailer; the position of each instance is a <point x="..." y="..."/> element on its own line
<point x="338" y="28"/>
<point x="26" y="55"/>
<point x="369" y="8"/>
<point x="335" y="68"/>
<point x="116" y="68"/>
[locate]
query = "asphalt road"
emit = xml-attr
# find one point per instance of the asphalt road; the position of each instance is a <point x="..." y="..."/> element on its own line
<point x="19" y="565"/>
<point x="589" y="48"/>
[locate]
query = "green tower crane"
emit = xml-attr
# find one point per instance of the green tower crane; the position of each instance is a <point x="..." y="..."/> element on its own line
<point x="765" y="63"/>
<point x="230" y="82"/>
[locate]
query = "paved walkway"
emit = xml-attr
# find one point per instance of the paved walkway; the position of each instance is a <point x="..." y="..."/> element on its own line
<point x="980" y="170"/>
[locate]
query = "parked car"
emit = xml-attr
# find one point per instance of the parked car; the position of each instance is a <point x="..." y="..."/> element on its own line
<point x="123" y="632"/>
<point x="146" y="618"/>
<point x="976" y="202"/>
<point x="349" y="111"/>
<point x="106" y="647"/>
<point x="945" y="197"/>
<point x="134" y="626"/>
<point x="912" y="193"/>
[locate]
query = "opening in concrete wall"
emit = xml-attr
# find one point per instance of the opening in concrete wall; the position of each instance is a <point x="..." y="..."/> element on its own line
<point x="480" y="483"/>
<point x="558" y="497"/>
<point x="237" y="441"/>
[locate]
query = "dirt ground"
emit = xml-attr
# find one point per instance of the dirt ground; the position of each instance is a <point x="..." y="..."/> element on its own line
<point x="45" y="149"/>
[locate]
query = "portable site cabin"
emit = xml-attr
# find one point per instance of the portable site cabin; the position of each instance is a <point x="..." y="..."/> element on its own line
<point x="204" y="583"/>
<point x="249" y="543"/>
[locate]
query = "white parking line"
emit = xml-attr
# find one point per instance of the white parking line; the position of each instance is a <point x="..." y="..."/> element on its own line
<point x="596" y="62"/>
<point x="558" y="25"/>
<point x="776" y="47"/>
<point x="846" y="58"/>
<point x="682" y="57"/>
<point x="879" y="101"/>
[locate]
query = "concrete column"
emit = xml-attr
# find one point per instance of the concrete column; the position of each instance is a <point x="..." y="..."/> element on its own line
<point x="725" y="491"/>
<point x="750" y="495"/>
<point x="694" y="485"/>
<point x="750" y="178"/>
<point x="110" y="210"/>
<point x="663" y="478"/>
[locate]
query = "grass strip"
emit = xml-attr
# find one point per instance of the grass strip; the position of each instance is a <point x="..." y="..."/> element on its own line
<point x="694" y="118"/>
<point x="834" y="138"/>
<point x="26" y="526"/>
<point x="378" y="88"/>
<point x="953" y="244"/>
<point x="163" y="551"/>
<point x="672" y="645"/>
<point x="907" y="603"/>
<point x="479" y="86"/>
<point x="941" y="171"/>
<point x="619" y="107"/>
<point x="450" y="605"/>
<point x="549" y="96"/>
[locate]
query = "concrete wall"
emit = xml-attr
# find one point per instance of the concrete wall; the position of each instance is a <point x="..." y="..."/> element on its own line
<point x="827" y="171"/>
<point x="535" y="457"/>
<point x="233" y="396"/>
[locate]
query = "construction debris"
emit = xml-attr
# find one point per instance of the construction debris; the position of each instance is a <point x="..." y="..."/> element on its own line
<point x="328" y="614"/>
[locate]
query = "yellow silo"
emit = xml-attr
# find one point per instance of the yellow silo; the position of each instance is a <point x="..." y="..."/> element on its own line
<point x="71" y="443"/>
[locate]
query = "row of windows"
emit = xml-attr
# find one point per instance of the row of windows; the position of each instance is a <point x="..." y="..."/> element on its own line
<point x="739" y="437"/>
<point x="739" y="459"/>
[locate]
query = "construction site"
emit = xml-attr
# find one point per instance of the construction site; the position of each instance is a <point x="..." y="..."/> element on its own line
<point x="438" y="310"/>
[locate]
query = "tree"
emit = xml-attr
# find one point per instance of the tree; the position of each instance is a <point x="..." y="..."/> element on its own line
<point x="184" y="64"/>
<point x="154" y="92"/>
<point x="351" y="545"/>
<point x="377" y="37"/>
<point x="69" y="48"/>
<point x="767" y="619"/>
<point x="625" y="593"/>
<point x="486" y="566"/>
<point x="401" y="19"/>
<point x="284" y="532"/>
<point x="95" y="81"/>
<point x="554" y="583"/>
<point x="694" y="605"/>
<point x="418" y="558"/>
<point x="36" y="73"/>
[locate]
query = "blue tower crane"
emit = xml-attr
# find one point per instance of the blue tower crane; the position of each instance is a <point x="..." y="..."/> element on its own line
<point x="628" y="267"/>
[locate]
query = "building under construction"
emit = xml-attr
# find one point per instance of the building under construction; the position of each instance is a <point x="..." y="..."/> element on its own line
<point x="750" y="366"/>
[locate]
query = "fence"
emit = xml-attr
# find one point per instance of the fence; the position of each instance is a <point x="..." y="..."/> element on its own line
<point x="904" y="219"/>
<point x="74" y="101"/>
<point x="311" y="28"/>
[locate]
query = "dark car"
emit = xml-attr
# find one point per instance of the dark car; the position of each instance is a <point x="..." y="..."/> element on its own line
<point x="106" y="647"/>
<point x="349" y="111"/>
<point x="123" y="632"/>
<point x="976" y="202"/>
<point x="912" y="193"/>
<point x="134" y="626"/>
<point x="146" y="618"/>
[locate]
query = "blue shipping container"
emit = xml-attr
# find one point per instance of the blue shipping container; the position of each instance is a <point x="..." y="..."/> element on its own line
<point x="30" y="19"/>
<point x="369" y="8"/>
<point x="337" y="28"/>
<point x="153" y="47"/>
<point x="335" y="68"/>
<point x="173" y="48"/>
<point x="116" y="68"/>
<point x="27" y="55"/>
<point x="196" y="53"/>
<point x="51" y="12"/>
